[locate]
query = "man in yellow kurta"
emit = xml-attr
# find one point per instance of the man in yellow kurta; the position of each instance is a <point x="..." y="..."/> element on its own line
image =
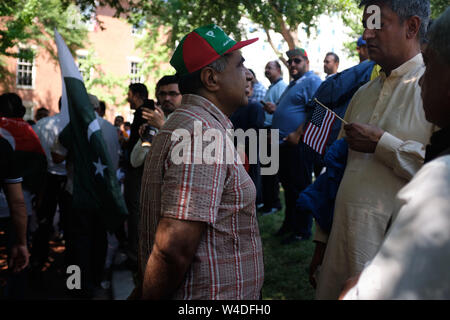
<point x="387" y="132"/>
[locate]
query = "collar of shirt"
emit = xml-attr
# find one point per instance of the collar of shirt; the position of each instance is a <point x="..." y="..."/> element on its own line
<point x="306" y="75"/>
<point x="279" y="79"/>
<point x="199" y="101"/>
<point x="404" y="68"/>
<point x="440" y="141"/>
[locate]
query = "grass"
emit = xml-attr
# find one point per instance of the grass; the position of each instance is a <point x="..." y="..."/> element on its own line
<point x="285" y="266"/>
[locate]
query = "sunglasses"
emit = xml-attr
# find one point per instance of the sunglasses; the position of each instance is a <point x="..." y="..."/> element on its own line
<point x="296" y="60"/>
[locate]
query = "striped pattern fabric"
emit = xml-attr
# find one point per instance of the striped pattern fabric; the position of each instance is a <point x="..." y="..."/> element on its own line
<point x="228" y="263"/>
<point x="319" y="128"/>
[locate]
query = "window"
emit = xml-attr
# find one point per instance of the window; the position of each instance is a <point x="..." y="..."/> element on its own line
<point x="135" y="70"/>
<point x="25" y="73"/>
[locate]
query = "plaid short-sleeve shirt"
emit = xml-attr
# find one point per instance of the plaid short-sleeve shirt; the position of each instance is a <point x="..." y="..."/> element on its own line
<point x="228" y="263"/>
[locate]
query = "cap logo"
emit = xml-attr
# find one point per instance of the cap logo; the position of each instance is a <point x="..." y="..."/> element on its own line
<point x="227" y="42"/>
<point x="203" y="46"/>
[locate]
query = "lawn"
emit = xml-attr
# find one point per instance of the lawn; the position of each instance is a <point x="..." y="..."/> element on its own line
<point x="285" y="266"/>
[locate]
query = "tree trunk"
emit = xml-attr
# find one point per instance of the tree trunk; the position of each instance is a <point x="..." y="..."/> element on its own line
<point x="277" y="52"/>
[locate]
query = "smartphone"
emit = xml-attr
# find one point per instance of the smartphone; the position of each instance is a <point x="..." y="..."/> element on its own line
<point x="149" y="103"/>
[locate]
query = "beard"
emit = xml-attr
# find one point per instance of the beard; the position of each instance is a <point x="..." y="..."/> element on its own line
<point x="168" y="107"/>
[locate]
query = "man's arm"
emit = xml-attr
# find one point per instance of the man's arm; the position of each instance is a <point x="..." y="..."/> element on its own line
<point x="19" y="252"/>
<point x="404" y="157"/>
<point x="294" y="137"/>
<point x="269" y="107"/>
<point x="363" y="137"/>
<point x="176" y="242"/>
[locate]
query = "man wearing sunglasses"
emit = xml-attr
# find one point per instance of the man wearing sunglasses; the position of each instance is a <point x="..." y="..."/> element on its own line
<point x="295" y="160"/>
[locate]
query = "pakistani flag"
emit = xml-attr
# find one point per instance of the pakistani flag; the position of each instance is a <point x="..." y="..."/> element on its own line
<point x="95" y="185"/>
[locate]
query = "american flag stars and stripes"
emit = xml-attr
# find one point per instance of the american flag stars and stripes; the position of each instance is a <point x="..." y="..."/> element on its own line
<point x="319" y="128"/>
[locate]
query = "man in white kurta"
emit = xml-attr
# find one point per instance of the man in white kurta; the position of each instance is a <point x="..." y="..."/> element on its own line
<point x="365" y="200"/>
<point x="414" y="260"/>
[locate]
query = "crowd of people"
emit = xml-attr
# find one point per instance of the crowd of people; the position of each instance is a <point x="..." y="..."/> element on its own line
<point x="379" y="195"/>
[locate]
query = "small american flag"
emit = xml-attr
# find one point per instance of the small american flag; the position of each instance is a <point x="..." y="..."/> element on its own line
<point x="319" y="128"/>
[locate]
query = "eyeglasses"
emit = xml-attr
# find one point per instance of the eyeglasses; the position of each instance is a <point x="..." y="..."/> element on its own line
<point x="296" y="60"/>
<point x="170" y="94"/>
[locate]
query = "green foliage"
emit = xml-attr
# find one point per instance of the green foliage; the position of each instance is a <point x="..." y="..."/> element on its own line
<point x="438" y="7"/>
<point x="104" y="85"/>
<point x="34" y="21"/>
<point x="282" y="16"/>
<point x="155" y="55"/>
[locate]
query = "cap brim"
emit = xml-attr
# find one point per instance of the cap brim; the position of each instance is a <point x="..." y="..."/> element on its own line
<point x="241" y="44"/>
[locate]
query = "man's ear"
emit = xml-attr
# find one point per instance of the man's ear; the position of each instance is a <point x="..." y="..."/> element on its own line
<point x="210" y="79"/>
<point x="412" y="27"/>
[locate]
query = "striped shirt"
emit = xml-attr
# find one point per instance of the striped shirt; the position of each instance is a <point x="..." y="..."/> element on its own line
<point x="228" y="263"/>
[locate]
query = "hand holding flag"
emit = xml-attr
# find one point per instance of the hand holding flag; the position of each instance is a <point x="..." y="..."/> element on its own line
<point x="319" y="128"/>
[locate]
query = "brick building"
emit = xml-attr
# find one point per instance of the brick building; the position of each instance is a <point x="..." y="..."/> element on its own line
<point x="38" y="82"/>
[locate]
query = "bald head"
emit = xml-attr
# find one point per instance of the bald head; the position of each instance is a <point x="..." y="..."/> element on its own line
<point x="273" y="71"/>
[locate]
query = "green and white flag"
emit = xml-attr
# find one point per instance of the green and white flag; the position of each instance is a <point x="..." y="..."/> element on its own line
<point x="95" y="184"/>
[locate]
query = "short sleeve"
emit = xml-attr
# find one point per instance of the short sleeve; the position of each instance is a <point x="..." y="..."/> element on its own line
<point x="9" y="170"/>
<point x="58" y="148"/>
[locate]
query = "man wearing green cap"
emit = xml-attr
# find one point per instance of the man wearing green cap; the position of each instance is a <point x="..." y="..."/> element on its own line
<point x="199" y="233"/>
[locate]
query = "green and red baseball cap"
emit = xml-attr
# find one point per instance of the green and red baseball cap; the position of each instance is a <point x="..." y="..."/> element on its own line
<point x="203" y="46"/>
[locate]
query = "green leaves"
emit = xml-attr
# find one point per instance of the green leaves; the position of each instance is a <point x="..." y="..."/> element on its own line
<point x="100" y="83"/>
<point x="32" y="22"/>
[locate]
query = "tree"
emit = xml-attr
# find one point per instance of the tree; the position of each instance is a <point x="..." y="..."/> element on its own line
<point x="105" y="86"/>
<point x="280" y="16"/>
<point x="438" y="7"/>
<point x="34" y="20"/>
<point x="155" y="53"/>
<point x="26" y="22"/>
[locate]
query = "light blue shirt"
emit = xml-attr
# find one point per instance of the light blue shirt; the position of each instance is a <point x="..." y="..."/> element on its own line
<point x="273" y="94"/>
<point x="291" y="111"/>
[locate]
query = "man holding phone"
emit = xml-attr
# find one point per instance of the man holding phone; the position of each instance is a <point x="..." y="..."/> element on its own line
<point x="168" y="100"/>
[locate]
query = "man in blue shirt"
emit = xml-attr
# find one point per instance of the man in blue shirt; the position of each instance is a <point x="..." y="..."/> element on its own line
<point x="270" y="183"/>
<point x="277" y="86"/>
<point x="296" y="161"/>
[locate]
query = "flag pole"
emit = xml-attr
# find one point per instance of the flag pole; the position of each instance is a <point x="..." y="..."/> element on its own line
<point x="320" y="103"/>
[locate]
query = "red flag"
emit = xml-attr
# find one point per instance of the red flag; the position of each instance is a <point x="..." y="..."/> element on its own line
<point x="20" y="135"/>
<point x="28" y="151"/>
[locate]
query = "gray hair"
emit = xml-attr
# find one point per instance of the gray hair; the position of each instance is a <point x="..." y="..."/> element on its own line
<point x="406" y="9"/>
<point x="191" y="83"/>
<point x="439" y="37"/>
<point x="220" y="64"/>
